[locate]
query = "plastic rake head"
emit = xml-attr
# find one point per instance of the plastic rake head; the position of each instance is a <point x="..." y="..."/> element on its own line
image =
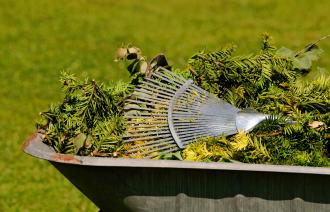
<point x="167" y="112"/>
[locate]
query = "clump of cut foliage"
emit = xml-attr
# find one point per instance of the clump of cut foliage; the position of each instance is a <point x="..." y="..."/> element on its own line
<point x="90" y="121"/>
<point x="271" y="82"/>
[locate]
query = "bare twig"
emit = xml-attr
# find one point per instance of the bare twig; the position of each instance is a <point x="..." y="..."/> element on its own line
<point x="307" y="48"/>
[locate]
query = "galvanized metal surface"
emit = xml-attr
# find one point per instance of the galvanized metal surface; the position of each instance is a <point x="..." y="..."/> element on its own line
<point x="154" y="185"/>
<point x="178" y="112"/>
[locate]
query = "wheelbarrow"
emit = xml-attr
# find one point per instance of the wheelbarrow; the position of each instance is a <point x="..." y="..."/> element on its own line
<point x="116" y="184"/>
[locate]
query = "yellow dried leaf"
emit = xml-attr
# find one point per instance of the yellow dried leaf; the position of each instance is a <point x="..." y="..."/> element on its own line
<point x="241" y="140"/>
<point x="189" y="155"/>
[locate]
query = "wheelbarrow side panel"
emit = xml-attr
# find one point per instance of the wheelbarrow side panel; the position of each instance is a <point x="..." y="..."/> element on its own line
<point x="170" y="189"/>
<point x="161" y="185"/>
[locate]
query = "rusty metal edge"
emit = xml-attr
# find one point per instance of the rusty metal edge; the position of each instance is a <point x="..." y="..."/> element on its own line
<point x="35" y="147"/>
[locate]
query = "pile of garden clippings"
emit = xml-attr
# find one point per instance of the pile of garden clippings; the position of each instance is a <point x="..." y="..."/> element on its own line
<point x="274" y="81"/>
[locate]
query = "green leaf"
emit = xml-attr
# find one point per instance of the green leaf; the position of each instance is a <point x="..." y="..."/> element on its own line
<point x="303" y="63"/>
<point x="305" y="60"/>
<point x="285" y="52"/>
<point x="79" y="141"/>
<point x="178" y="155"/>
<point x="172" y="156"/>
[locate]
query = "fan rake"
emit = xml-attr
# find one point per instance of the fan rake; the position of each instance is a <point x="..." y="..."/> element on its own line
<point x="167" y="112"/>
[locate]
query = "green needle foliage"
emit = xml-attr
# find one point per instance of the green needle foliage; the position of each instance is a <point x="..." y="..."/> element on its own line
<point x="88" y="121"/>
<point x="270" y="82"/>
<point x="240" y="79"/>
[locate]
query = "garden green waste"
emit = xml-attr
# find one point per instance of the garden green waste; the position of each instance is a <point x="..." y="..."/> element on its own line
<point x="89" y="121"/>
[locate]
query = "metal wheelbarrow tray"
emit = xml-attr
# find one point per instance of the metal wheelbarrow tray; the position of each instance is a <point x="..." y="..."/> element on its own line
<point x="163" y="185"/>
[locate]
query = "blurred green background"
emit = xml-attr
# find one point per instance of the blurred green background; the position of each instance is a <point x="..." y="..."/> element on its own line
<point x="39" y="39"/>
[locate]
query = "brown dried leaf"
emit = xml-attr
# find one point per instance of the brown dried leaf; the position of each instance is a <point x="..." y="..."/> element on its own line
<point x="316" y="124"/>
<point x="121" y="53"/>
<point x="327" y="136"/>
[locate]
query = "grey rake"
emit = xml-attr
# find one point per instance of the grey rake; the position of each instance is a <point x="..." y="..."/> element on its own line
<point x="167" y="112"/>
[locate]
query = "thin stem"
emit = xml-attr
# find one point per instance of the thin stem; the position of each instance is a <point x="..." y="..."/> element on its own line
<point x="311" y="44"/>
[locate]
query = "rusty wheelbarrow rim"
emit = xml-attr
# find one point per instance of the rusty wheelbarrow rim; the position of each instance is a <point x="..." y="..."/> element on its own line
<point x="35" y="147"/>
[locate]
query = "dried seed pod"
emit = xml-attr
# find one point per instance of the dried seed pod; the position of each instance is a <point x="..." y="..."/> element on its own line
<point x="134" y="50"/>
<point x="121" y="53"/>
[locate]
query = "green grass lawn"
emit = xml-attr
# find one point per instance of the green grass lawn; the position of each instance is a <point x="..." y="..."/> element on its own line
<point x="39" y="39"/>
